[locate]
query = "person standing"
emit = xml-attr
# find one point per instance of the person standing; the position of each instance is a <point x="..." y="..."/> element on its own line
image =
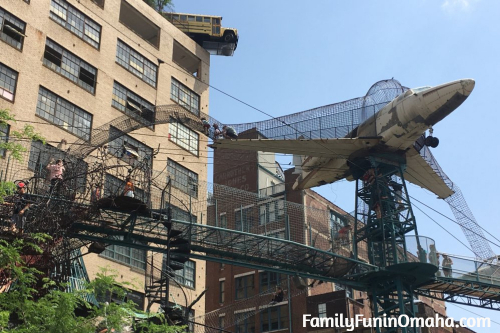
<point x="447" y="262"/>
<point x="21" y="203"/>
<point x="128" y="191"/>
<point x="55" y="173"/>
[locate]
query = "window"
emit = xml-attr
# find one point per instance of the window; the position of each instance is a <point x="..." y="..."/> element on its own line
<point x="183" y="136"/>
<point x="183" y="178"/>
<point x="348" y="290"/>
<point x="271" y="211"/>
<point x="337" y="221"/>
<point x="100" y="3"/>
<point x="64" y="114"/>
<point x="269" y="281"/>
<point x="186" y="275"/>
<point x="243" y="219"/>
<point x="222" y="322"/>
<point x="139" y="24"/>
<point x="8" y="81"/>
<point x="114" y="186"/>
<point x="245" y="322"/>
<point x="274" y="318"/>
<point x="184" y="58"/>
<point x="40" y="156"/>
<point x="125" y="254"/>
<point x="76" y="22"/>
<point x="221" y="291"/>
<point x="69" y="65"/>
<point x="131" y="104"/>
<point x="127" y="148"/>
<point x="136" y="63"/>
<point x="4" y="137"/>
<point x="322" y="310"/>
<point x="182" y="215"/>
<point x="12" y="29"/>
<point x="185" y="97"/>
<point x="223" y="220"/>
<point x="244" y="287"/>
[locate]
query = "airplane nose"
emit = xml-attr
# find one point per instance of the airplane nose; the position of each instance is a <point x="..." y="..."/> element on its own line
<point x="444" y="99"/>
<point x="468" y="85"/>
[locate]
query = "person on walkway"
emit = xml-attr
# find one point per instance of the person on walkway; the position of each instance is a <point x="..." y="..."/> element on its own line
<point x="229" y="133"/>
<point x="206" y="125"/>
<point x="217" y="132"/>
<point x="128" y="191"/>
<point x="21" y="203"/>
<point x="447" y="262"/>
<point x="278" y="296"/>
<point x="55" y="173"/>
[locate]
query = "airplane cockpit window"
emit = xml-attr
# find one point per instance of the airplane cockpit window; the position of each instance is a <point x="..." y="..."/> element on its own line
<point x="420" y="89"/>
<point x="406" y="94"/>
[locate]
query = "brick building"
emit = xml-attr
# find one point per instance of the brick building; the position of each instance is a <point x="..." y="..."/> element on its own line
<point x="239" y="292"/>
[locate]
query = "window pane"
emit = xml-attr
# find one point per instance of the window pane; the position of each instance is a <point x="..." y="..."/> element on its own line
<point x="8" y="80"/>
<point x="183" y="178"/>
<point x="75" y="21"/>
<point x="185" y="97"/>
<point x="69" y="65"/>
<point x="62" y="113"/>
<point x="136" y="63"/>
<point x="11" y="29"/>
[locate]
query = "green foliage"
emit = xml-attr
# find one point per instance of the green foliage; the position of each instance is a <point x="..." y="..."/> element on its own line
<point x="51" y="308"/>
<point x="6" y="189"/>
<point x="27" y="133"/>
<point x="160" y="5"/>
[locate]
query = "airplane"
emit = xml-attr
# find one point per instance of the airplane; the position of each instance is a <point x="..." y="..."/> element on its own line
<point x="393" y="129"/>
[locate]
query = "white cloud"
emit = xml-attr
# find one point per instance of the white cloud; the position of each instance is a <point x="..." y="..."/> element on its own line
<point x="458" y="5"/>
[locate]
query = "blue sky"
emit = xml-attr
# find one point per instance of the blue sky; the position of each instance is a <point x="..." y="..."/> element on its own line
<point x="293" y="56"/>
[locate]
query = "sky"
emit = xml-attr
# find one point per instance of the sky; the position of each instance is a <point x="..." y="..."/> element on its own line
<point x="293" y="56"/>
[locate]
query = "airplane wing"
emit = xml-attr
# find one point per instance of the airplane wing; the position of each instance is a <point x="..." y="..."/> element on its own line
<point x="420" y="173"/>
<point x="342" y="147"/>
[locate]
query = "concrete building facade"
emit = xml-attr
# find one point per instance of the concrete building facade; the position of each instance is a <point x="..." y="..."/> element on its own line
<point x="68" y="67"/>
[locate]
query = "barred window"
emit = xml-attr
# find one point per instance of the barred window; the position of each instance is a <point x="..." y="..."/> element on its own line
<point x="244" y="287"/>
<point x="69" y="65"/>
<point x="183" y="136"/>
<point x="185" y="97"/>
<point x="271" y="211"/>
<point x="12" y="29"/>
<point x="136" y="63"/>
<point x="243" y="219"/>
<point x="131" y="104"/>
<point x="64" y="114"/>
<point x="4" y="137"/>
<point x="322" y="310"/>
<point x="125" y="254"/>
<point x="269" y="281"/>
<point x="182" y="215"/>
<point x="186" y="276"/>
<point x="245" y="322"/>
<point x="114" y="186"/>
<point x="76" y="22"/>
<point x="127" y="148"/>
<point x="183" y="178"/>
<point x="274" y="318"/>
<point x="8" y="80"/>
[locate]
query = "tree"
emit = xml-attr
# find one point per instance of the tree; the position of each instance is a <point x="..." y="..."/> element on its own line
<point x="52" y="308"/>
<point x="160" y="5"/>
